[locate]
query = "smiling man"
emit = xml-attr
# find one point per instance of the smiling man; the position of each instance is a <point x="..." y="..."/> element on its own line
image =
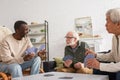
<point x="13" y="57"/>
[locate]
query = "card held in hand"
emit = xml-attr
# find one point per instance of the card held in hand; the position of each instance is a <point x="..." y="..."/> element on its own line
<point x="42" y="47"/>
<point x="34" y="49"/>
<point x="31" y="50"/>
<point x="67" y="57"/>
<point x="89" y="56"/>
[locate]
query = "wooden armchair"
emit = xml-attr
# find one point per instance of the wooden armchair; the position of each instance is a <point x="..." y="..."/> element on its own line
<point x="4" y="76"/>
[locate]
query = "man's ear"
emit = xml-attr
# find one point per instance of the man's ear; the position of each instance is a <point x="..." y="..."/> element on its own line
<point x="16" y="30"/>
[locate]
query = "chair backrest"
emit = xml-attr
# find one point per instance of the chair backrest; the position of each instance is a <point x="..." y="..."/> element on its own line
<point x="4" y="31"/>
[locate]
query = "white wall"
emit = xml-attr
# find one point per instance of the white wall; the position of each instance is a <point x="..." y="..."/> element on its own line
<point x="60" y="14"/>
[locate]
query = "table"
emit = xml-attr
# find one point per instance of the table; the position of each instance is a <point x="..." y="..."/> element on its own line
<point x="63" y="76"/>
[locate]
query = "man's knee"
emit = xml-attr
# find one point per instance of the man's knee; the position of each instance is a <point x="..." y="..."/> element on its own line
<point x="15" y="70"/>
<point x="14" y="67"/>
<point x="37" y="59"/>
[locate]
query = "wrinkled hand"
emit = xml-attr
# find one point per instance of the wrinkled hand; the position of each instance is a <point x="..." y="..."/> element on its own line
<point x="29" y="56"/>
<point x="78" y="65"/>
<point x="93" y="63"/>
<point x="67" y="63"/>
<point x="41" y="53"/>
<point x="88" y="51"/>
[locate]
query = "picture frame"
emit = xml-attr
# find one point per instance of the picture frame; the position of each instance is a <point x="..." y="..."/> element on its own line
<point x="83" y="27"/>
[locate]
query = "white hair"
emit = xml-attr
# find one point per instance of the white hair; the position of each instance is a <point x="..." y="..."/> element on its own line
<point x="75" y="34"/>
<point x="114" y="15"/>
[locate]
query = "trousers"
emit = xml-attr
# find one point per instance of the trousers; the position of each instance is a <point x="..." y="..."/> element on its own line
<point x="16" y="69"/>
<point x="112" y="75"/>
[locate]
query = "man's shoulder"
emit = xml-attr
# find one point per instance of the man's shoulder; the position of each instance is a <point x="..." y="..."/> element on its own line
<point x="82" y="43"/>
<point x="67" y="46"/>
<point x="8" y="37"/>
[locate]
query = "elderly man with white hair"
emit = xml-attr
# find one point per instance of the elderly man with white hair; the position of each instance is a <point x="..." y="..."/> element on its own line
<point x="113" y="67"/>
<point x="74" y="54"/>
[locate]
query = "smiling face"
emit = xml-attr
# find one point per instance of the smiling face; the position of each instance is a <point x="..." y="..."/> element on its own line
<point x="111" y="27"/>
<point x="23" y="30"/>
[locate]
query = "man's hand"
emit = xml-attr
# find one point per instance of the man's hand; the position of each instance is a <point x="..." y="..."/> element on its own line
<point x="41" y="53"/>
<point x="88" y="51"/>
<point x="28" y="56"/>
<point x="78" y="65"/>
<point x="67" y="63"/>
<point x="93" y="63"/>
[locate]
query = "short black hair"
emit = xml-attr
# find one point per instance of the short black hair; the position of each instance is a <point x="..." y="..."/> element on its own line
<point x="18" y="24"/>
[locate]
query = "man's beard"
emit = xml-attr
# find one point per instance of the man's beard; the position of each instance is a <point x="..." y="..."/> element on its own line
<point x="71" y="43"/>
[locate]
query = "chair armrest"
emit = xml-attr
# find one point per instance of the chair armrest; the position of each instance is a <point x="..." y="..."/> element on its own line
<point x="105" y="52"/>
<point x="4" y="76"/>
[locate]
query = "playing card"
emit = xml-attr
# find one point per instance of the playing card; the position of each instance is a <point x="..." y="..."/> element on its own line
<point x="65" y="77"/>
<point x="48" y="75"/>
<point x="42" y="47"/>
<point x="89" y="56"/>
<point x="31" y="50"/>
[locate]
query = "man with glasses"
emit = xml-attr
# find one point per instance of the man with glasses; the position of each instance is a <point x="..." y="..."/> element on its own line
<point x="74" y="54"/>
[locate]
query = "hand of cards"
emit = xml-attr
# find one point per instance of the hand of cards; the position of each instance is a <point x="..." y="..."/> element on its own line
<point x="89" y="56"/>
<point x="42" y="47"/>
<point x="67" y="57"/>
<point x="34" y="49"/>
<point x="31" y="50"/>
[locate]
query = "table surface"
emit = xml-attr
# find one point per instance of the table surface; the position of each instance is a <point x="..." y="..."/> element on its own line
<point x="63" y="76"/>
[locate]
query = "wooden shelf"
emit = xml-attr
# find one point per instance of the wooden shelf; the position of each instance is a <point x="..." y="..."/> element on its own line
<point x="36" y="34"/>
<point x="36" y="25"/>
<point x="39" y="35"/>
